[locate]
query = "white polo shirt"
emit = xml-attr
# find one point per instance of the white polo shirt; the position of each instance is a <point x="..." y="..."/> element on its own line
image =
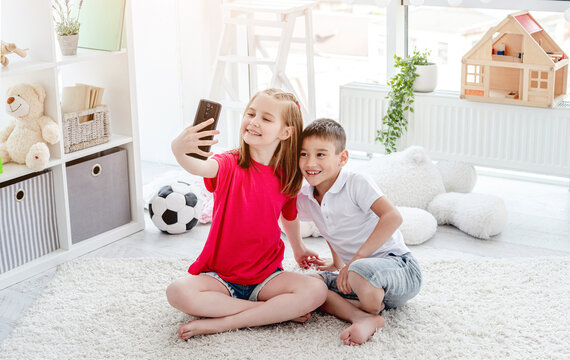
<point x="344" y="217"/>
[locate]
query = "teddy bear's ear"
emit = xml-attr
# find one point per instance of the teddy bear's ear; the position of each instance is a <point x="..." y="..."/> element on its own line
<point x="417" y="154"/>
<point x="40" y="92"/>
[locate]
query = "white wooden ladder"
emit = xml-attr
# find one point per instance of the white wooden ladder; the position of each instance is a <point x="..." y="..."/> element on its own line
<point x="258" y="17"/>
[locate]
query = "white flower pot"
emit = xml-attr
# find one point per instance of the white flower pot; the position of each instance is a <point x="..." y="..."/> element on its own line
<point x="68" y="44"/>
<point x="427" y="78"/>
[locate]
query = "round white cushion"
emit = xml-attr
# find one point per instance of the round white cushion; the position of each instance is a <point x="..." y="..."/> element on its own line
<point x="418" y="225"/>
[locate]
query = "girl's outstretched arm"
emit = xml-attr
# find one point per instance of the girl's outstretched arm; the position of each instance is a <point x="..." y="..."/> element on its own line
<point x="303" y="255"/>
<point x="187" y="142"/>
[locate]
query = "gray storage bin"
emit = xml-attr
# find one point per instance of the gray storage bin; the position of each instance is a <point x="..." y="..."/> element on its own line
<point x="28" y="226"/>
<point x="98" y="188"/>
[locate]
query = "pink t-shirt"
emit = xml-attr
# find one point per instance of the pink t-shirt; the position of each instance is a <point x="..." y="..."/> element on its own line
<point x="244" y="245"/>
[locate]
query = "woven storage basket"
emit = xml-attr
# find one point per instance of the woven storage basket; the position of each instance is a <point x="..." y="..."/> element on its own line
<point x="78" y="136"/>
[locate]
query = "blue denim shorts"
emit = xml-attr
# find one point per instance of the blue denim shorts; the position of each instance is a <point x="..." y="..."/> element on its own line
<point x="399" y="275"/>
<point x="244" y="292"/>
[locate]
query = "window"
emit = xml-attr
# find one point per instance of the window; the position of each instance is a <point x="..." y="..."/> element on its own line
<point x="461" y="27"/>
<point x="538" y="80"/>
<point x="474" y="75"/>
<point x="349" y="45"/>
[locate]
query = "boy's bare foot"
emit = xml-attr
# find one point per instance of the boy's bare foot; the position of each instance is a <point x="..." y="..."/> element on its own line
<point x="302" y="319"/>
<point x="361" y="330"/>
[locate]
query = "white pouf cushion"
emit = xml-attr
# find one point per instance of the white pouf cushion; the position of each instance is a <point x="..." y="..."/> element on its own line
<point x="457" y="176"/>
<point x="418" y="225"/>
<point x="479" y="215"/>
<point x="308" y="228"/>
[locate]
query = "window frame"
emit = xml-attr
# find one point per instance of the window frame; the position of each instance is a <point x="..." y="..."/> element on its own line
<point x="397" y="19"/>
<point x="531" y="5"/>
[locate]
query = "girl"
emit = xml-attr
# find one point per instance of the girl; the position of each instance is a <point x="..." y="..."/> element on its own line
<point x="238" y="279"/>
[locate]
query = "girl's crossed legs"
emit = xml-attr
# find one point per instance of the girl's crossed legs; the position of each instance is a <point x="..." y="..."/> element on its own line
<point x="285" y="297"/>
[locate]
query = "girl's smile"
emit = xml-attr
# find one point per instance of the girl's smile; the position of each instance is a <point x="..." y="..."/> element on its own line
<point x="263" y="128"/>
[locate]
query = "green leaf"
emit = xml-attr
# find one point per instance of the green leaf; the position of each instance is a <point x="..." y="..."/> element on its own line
<point x="401" y="99"/>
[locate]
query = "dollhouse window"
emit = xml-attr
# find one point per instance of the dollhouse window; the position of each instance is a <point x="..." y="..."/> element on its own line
<point x="474" y="75"/>
<point x="538" y="80"/>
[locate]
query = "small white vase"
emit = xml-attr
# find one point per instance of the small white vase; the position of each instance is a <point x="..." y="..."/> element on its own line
<point x="68" y="44"/>
<point x="427" y="78"/>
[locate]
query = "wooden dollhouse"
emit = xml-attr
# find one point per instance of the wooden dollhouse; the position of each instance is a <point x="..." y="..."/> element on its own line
<point x="516" y="62"/>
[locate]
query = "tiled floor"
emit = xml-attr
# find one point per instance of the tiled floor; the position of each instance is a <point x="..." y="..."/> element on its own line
<point x="538" y="225"/>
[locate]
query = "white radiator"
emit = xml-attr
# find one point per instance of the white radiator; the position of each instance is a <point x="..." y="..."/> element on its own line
<point x="492" y="135"/>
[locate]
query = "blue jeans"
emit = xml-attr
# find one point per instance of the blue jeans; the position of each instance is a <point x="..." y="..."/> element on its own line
<point x="244" y="292"/>
<point x="399" y="275"/>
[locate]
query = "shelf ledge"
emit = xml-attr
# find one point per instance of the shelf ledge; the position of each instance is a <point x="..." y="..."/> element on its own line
<point x="116" y="140"/>
<point x="84" y="55"/>
<point x="23" y="66"/>
<point x="12" y="171"/>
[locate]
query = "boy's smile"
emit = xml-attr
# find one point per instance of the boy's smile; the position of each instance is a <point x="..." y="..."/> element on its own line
<point x="319" y="162"/>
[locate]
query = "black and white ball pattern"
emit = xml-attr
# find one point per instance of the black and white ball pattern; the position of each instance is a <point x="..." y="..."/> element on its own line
<point x="175" y="208"/>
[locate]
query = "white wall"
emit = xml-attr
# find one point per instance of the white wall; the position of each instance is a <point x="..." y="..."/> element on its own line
<point x="200" y="27"/>
<point x="175" y="42"/>
<point x="157" y="62"/>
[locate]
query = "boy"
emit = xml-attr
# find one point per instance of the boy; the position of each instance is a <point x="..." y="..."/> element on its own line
<point x="375" y="268"/>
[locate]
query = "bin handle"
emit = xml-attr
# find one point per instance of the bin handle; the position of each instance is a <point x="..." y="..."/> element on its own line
<point x="20" y="195"/>
<point x="96" y="170"/>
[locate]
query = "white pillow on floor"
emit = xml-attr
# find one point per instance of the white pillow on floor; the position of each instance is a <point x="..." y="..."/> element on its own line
<point x="479" y="215"/>
<point x="418" y="225"/>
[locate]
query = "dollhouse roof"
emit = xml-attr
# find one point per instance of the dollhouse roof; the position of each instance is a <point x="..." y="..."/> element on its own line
<point x="528" y="23"/>
<point x="524" y="24"/>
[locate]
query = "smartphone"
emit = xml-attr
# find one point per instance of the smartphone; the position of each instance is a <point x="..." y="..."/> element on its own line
<point x="206" y="110"/>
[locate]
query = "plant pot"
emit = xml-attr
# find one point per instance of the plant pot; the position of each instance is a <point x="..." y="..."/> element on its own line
<point x="68" y="44"/>
<point x="427" y="78"/>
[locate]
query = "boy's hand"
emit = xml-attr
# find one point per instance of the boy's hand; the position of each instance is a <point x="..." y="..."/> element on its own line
<point x="325" y="264"/>
<point x="342" y="281"/>
<point x="190" y="138"/>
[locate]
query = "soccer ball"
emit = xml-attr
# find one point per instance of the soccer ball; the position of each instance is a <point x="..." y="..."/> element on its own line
<point x="175" y="208"/>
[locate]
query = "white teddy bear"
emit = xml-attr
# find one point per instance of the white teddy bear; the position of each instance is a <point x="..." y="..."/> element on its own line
<point x="427" y="195"/>
<point x="23" y="139"/>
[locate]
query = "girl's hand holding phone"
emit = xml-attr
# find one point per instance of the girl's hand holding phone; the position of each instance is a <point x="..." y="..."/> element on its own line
<point x="192" y="137"/>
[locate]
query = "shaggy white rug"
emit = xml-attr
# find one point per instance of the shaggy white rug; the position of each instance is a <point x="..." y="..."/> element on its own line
<point x="467" y="309"/>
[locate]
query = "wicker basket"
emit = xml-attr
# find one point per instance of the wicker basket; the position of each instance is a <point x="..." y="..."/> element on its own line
<point x="86" y="128"/>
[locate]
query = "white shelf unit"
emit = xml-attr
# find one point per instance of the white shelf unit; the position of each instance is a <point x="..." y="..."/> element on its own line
<point x="28" y="23"/>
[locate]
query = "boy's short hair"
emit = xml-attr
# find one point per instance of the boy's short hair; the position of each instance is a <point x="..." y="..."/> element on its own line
<point x="327" y="129"/>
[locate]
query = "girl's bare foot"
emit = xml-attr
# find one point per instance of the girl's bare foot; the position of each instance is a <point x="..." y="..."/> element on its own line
<point x="200" y="327"/>
<point x="361" y="330"/>
<point x="302" y="319"/>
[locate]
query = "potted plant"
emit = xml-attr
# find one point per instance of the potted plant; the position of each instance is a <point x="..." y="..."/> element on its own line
<point x="66" y="26"/>
<point x="401" y="97"/>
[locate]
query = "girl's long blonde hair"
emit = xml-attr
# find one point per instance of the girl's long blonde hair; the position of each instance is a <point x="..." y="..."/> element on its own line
<point x="286" y="157"/>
